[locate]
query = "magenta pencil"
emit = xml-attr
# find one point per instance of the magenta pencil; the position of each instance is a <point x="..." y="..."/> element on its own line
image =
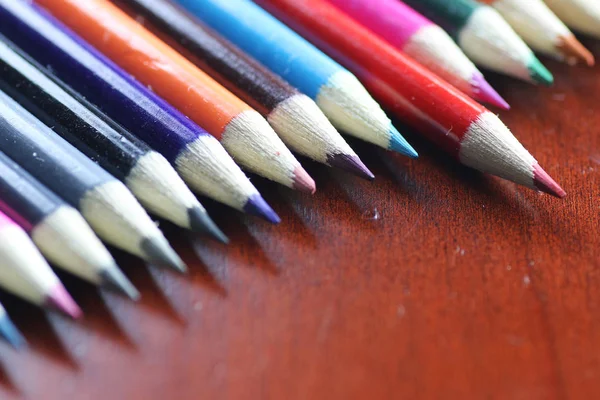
<point x="424" y="41"/>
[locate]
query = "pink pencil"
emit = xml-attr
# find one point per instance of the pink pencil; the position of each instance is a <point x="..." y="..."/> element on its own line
<point x="26" y="274"/>
<point x="424" y="41"/>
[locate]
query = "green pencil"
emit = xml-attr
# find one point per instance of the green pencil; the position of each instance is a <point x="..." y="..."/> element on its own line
<point x="486" y="38"/>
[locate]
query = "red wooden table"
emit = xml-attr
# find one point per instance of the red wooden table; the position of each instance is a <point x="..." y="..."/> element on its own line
<point x="433" y="282"/>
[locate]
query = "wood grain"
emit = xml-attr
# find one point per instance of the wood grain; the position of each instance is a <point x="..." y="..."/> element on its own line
<point x="464" y="287"/>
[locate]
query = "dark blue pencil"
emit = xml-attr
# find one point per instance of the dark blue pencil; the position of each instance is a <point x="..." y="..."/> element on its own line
<point x="198" y="157"/>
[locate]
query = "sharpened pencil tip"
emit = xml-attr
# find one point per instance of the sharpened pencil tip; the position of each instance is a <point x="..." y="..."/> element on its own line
<point x="201" y="222"/>
<point x="351" y="164"/>
<point x="484" y="92"/>
<point x="546" y="184"/>
<point x="574" y="51"/>
<point x="158" y="251"/>
<point x="10" y="333"/>
<point x="400" y="145"/>
<point x="257" y="206"/>
<point x="60" y="300"/>
<point x="116" y="281"/>
<point x="303" y="182"/>
<point x="539" y="73"/>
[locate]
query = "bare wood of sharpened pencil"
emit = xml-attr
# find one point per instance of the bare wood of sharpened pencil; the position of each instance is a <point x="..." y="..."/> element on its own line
<point x="581" y="15"/>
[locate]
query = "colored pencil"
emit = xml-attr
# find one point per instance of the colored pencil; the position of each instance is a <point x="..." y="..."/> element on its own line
<point x="105" y="202"/>
<point x="542" y="30"/>
<point x="25" y="273"/>
<point x="485" y="37"/>
<point x="424" y="41"/>
<point x="245" y="134"/>
<point x="9" y="331"/>
<point x="449" y="118"/>
<point x="57" y="229"/>
<point x="197" y="156"/>
<point x="581" y="15"/>
<point x="295" y="117"/>
<point x="145" y="172"/>
<point x="336" y="91"/>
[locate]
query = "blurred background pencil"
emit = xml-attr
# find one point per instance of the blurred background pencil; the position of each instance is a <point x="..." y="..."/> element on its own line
<point x="9" y="331"/>
<point x="336" y="91"/>
<point x="58" y="230"/>
<point x="581" y="15"/>
<point x="197" y="156"/>
<point x="296" y="118"/>
<point x="105" y="202"/>
<point x="25" y="273"/>
<point x="541" y="29"/>
<point x="449" y="118"/>
<point x="245" y="134"/>
<point x="145" y="172"/>
<point x="424" y="41"/>
<point x="485" y="37"/>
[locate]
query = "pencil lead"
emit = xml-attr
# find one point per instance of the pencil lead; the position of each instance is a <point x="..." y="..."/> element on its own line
<point x="349" y="163"/>
<point x="158" y="251"/>
<point x="201" y="222"/>
<point x="256" y="205"/>
<point x="485" y="93"/>
<point x="545" y="183"/>
<point x="115" y="280"/>
<point x="400" y="145"/>
<point x="574" y="51"/>
<point x="10" y="333"/>
<point x="539" y="73"/>
<point x="59" y="299"/>
<point x="303" y="182"/>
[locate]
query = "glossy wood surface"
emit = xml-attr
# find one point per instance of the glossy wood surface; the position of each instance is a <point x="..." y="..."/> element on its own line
<point x="433" y="282"/>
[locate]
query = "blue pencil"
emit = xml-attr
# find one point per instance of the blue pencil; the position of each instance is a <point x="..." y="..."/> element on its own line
<point x="198" y="157"/>
<point x="340" y="95"/>
<point x="9" y="331"/>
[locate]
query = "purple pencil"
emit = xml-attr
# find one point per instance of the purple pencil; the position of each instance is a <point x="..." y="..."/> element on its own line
<point x="198" y="157"/>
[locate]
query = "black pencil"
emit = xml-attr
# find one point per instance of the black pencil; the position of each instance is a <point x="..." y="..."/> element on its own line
<point x="109" y="207"/>
<point x="145" y="172"/>
<point x="57" y="229"/>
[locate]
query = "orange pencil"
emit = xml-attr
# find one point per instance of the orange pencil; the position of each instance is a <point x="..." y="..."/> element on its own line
<point x="245" y="134"/>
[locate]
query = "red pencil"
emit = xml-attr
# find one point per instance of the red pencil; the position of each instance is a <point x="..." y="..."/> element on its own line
<point x="462" y="127"/>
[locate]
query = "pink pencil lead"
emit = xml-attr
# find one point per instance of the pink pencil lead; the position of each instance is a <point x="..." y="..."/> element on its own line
<point x="546" y="184"/>
<point x="60" y="300"/>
